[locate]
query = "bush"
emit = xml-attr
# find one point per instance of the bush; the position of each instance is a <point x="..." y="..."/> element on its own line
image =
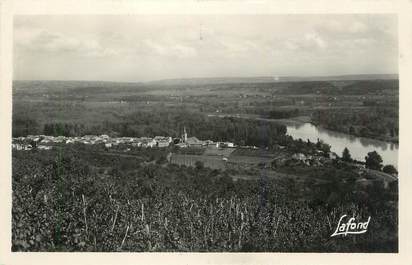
<point x="390" y="169"/>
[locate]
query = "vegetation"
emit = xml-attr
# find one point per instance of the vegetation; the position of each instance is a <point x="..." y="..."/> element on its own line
<point x="88" y="198"/>
<point x="282" y="114"/>
<point x="362" y="108"/>
<point x="377" y="122"/>
<point x="373" y="161"/>
<point x="66" y="200"/>
<point x="346" y="155"/>
<point x="139" y="124"/>
<point x="390" y="169"/>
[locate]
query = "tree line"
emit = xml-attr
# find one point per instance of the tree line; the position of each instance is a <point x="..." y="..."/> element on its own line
<point x="150" y="124"/>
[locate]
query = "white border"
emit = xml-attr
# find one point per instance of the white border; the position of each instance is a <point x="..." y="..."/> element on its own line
<point x="404" y="10"/>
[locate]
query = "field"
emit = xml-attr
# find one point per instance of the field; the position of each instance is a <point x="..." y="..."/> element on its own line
<point x="224" y="152"/>
<point x="214" y="162"/>
<point x="226" y="158"/>
<point x="360" y="107"/>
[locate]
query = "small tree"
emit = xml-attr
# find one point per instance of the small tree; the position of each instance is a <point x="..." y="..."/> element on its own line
<point x="390" y="169"/>
<point x="373" y="161"/>
<point x="318" y="144"/>
<point x="346" y="155"/>
<point x="326" y="150"/>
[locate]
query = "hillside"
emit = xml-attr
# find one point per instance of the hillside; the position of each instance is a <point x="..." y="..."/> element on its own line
<point x="269" y="79"/>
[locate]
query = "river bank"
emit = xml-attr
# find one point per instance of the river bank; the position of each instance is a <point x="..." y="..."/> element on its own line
<point x="385" y="138"/>
<point x="301" y="127"/>
<point x="358" y="147"/>
<point x="302" y="120"/>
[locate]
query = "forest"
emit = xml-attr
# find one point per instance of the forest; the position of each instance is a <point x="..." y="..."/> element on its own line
<point x="377" y="122"/>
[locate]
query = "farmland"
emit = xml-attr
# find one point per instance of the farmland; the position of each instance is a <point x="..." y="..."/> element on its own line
<point x="363" y="108"/>
<point x="223" y="158"/>
<point x="214" y="162"/>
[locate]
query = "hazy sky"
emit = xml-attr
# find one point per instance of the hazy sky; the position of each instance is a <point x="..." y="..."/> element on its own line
<point x="143" y="47"/>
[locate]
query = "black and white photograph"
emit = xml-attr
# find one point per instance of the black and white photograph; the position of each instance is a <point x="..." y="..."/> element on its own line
<point x="210" y="133"/>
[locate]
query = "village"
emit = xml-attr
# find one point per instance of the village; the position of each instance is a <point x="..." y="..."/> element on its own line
<point x="209" y="152"/>
<point x="212" y="154"/>
<point x="46" y="142"/>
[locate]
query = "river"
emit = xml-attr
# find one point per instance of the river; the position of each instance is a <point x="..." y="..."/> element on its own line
<point x="358" y="146"/>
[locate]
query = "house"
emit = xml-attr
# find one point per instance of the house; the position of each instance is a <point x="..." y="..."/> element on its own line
<point x="127" y="140"/>
<point x="181" y="145"/>
<point x="59" y="139"/>
<point x="151" y="143"/>
<point x="194" y="142"/>
<point x="148" y="142"/>
<point x="46" y="140"/>
<point x="210" y="143"/>
<point x="299" y="156"/>
<point x="162" y="141"/>
<point x="27" y="147"/>
<point x="226" y="144"/>
<point x="163" y="138"/>
<point x="17" y="146"/>
<point x="33" y="138"/>
<point x="44" y="147"/>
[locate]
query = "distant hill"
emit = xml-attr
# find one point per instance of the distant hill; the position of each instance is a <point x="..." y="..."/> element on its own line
<point x="68" y="83"/>
<point x="49" y="85"/>
<point x="269" y="79"/>
<point x="339" y="87"/>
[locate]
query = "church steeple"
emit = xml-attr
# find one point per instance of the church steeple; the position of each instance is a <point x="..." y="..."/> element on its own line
<point x="184" y="136"/>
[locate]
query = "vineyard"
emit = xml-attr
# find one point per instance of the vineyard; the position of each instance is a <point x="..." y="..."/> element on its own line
<point x="67" y="201"/>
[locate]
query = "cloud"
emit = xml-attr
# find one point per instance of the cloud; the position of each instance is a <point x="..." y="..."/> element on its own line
<point x="164" y="46"/>
<point x="357" y="27"/>
<point x="170" y="49"/>
<point x="339" y="26"/>
<point x="314" y="38"/>
<point x="307" y="43"/>
<point x="238" y="46"/>
<point x="44" y="41"/>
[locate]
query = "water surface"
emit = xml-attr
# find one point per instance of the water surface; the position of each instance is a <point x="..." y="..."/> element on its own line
<point x="358" y="146"/>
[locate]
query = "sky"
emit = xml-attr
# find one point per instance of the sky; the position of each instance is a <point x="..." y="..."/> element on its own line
<point x="139" y="48"/>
